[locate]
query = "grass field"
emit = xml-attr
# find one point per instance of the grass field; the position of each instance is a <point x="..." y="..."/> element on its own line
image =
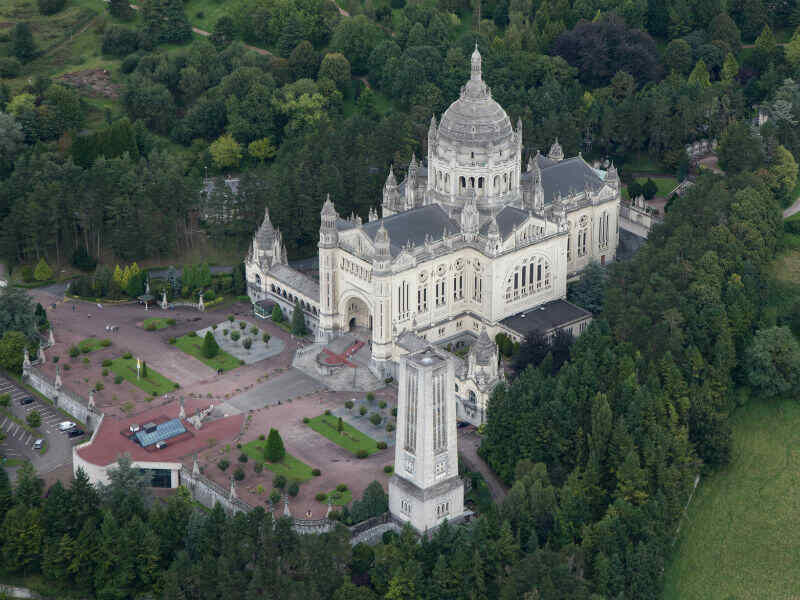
<point x="741" y="539"/>
<point x="155" y="384"/>
<point x="92" y="344"/>
<point x="290" y="467"/>
<point x="159" y="323"/>
<point x="665" y="185"/>
<point x="351" y="439"/>
<point x="339" y="498"/>
<point x="194" y="346"/>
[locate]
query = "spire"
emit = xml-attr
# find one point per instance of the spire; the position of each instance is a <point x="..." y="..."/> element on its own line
<point x="475" y="73"/>
<point x="391" y="181"/>
<point x="432" y="128"/>
<point x="556" y="152"/>
<point x="327" y="208"/>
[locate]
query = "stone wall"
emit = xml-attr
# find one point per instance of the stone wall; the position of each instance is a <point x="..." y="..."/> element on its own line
<point x="634" y="215"/>
<point x="208" y="493"/>
<point x="62" y="398"/>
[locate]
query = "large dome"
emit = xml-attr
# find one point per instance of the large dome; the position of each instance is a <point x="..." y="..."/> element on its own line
<point x="475" y="118"/>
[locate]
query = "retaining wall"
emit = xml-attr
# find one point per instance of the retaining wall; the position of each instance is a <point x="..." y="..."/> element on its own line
<point x="63" y="398"/>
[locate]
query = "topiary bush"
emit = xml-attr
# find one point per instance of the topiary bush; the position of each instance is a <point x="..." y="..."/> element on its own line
<point x="235" y="336"/>
<point x="321" y="497"/>
<point x="173" y="340"/>
<point x="375" y="419"/>
<point x="362" y="410"/>
<point x="348" y="405"/>
<point x="341" y="488"/>
<point x="127" y="355"/>
<point x="238" y="474"/>
<point x="316" y="472"/>
<point x="230" y="318"/>
<point x="223" y="464"/>
<point x="106" y="362"/>
<point x="243" y="458"/>
<point x="370" y="397"/>
<point x="294" y="489"/>
<point x="394" y="412"/>
<point x="388" y="469"/>
<point x="382" y="404"/>
<point x="381" y="445"/>
<point x="306" y="419"/>
<point x="254" y="330"/>
<point x="247" y="343"/>
<point x="265" y="338"/>
<point x="362" y="453"/>
<point x="258" y="467"/>
<point x="279" y="482"/>
<point x="242" y="325"/>
<point x="105" y="372"/>
<point x="118" y="379"/>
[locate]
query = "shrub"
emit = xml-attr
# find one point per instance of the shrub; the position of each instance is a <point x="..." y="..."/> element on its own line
<point x="327" y="411"/>
<point x="242" y="325"/>
<point x="265" y="338"/>
<point x="321" y="497"/>
<point x="362" y="453"/>
<point x="390" y="427"/>
<point x="394" y="411"/>
<point x="274" y="496"/>
<point x="55" y="359"/>
<point x="362" y="410"/>
<point x="370" y="397"/>
<point x="150" y="327"/>
<point x="223" y="464"/>
<point x="274" y="450"/>
<point x="254" y="330"/>
<point x="238" y="474"/>
<point x="316" y="472"/>
<point x="127" y="355"/>
<point x="238" y="445"/>
<point x="243" y="458"/>
<point x="106" y="362"/>
<point x="105" y="372"/>
<point x="9" y="67"/>
<point x="230" y="318"/>
<point x="375" y="419"/>
<point x="381" y="445"/>
<point x="247" y="343"/>
<point x="5" y="399"/>
<point x="279" y="482"/>
<point x="294" y="489"/>
<point x="235" y="336"/>
<point x="388" y="469"/>
<point x="262" y="437"/>
<point x="34" y="419"/>
<point x="225" y="332"/>
<point x="388" y="380"/>
<point x="128" y="66"/>
<point x="192" y="334"/>
<point x="105" y="343"/>
<point x="173" y="340"/>
<point x="258" y="467"/>
<point x="277" y="314"/>
<point x="74" y="351"/>
<point x="67" y="367"/>
<point x="171" y="322"/>
<point x="335" y="515"/>
<point x="341" y="488"/>
<point x="86" y="349"/>
<point x="306" y="419"/>
<point x="382" y="404"/>
<point x="348" y="405"/>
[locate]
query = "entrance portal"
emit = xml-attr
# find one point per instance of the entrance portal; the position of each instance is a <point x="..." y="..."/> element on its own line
<point x="358" y="315"/>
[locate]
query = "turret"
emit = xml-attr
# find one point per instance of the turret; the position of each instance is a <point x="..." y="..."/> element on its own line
<point x="556" y="153"/>
<point x="537" y="189"/>
<point x="493" y="236"/>
<point x="390" y="194"/>
<point x="612" y="177"/>
<point x="411" y="183"/>
<point x="328" y="234"/>
<point x="475" y="65"/>
<point x="373" y="214"/>
<point x="469" y="218"/>
<point x="432" y="135"/>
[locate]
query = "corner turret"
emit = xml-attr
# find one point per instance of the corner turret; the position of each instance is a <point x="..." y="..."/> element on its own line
<point x="328" y="234"/>
<point x="556" y="153"/>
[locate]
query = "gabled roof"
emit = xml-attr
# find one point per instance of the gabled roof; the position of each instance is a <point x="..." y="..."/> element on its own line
<point x="506" y="219"/>
<point x="295" y="280"/>
<point x="412" y="226"/>
<point x="570" y="175"/>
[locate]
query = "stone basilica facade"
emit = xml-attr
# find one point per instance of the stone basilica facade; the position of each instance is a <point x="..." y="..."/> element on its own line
<point x="468" y="245"/>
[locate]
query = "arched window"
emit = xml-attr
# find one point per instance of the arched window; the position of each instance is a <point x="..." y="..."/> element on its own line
<point x="471" y="183"/>
<point x="529" y="277"/>
<point x="583" y="234"/>
<point x="496" y="184"/>
<point x="603" y="230"/>
<point x="462" y="183"/>
<point x="480" y="183"/>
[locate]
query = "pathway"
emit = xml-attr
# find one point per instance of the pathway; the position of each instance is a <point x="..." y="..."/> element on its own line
<point x="793" y="209"/>
<point x="468" y="443"/>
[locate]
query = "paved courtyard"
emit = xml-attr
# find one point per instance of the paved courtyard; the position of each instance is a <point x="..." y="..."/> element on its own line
<point x="276" y="390"/>
<point x="257" y="352"/>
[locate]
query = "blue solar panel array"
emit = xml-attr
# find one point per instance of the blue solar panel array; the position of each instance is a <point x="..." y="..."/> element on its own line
<point x="164" y="431"/>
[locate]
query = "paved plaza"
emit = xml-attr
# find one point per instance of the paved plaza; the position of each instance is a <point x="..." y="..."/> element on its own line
<point x="277" y="390"/>
<point x="257" y="352"/>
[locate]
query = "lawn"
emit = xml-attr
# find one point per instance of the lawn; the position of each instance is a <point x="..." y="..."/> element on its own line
<point x="339" y="498"/>
<point x="158" y="322"/>
<point x="740" y="539"/>
<point x="155" y="384"/>
<point x="290" y="467"/>
<point x="92" y="344"/>
<point x="193" y="345"/>
<point x="665" y="185"/>
<point x="351" y="439"/>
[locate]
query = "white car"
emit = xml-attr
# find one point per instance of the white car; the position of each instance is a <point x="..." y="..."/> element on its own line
<point x="37" y="445"/>
<point x="65" y="425"/>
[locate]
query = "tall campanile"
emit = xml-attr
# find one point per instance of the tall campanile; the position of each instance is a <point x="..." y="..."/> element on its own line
<point x="425" y="489"/>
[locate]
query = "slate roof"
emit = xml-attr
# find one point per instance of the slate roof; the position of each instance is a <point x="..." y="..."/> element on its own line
<point x="413" y="225"/>
<point x="210" y="184"/>
<point x="564" y="177"/>
<point x="295" y="280"/>
<point x="506" y="219"/>
<point x="546" y="317"/>
<point x="410" y="341"/>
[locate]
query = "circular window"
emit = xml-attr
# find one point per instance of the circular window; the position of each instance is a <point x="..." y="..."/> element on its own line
<point x="441" y="270"/>
<point x="460" y="264"/>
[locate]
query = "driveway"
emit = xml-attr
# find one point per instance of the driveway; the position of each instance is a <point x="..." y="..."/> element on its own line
<point x="19" y="443"/>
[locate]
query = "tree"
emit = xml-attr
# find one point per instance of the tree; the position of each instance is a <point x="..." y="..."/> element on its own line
<point x="226" y="151"/>
<point x="303" y="61"/>
<point x="792" y="49"/>
<point x="678" y="56"/>
<point x="723" y="28"/>
<point x="34" y="419"/>
<point x="29" y="488"/>
<point x="298" y="320"/>
<point x="336" y="68"/>
<point x="11" y="140"/>
<point x="42" y="272"/>
<point x="262" y="149"/>
<point x="699" y="75"/>
<point x="50" y="7"/>
<point x="277" y="314"/>
<point x="144" y="369"/>
<point x="650" y="189"/>
<point x="339" y="425"/>
<point x="121" y="9"/>
<point x="210" y="346"/>
<point x="274" y="450"/>
<point x="783" y="175"/>
<point x="739" y="150"/>
<point x="773" y="357"/>
<point x="12" y="350"/>
<point x="355" y="38"/>
<point x="730" y="68"/>
<point x="120" y="41"/>
<point x="22" y="45"/>
<point x="165" y="21"/>
<point x="224" y="32"/>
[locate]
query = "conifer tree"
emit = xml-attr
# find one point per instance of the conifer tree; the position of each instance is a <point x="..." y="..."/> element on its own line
<point x="274" y="451"/>
<point x="42" y="272"/>
<point x="298" y="320"/>
<point x="210" y="346"/>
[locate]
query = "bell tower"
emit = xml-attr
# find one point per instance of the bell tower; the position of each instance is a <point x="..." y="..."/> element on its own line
<point x="426" y="489"/>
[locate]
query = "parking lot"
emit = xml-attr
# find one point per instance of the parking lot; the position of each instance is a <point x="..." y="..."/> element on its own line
<point x="18" y="443"/>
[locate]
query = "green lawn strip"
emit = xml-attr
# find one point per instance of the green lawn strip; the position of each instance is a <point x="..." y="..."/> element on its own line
<point x="194" y="346"/>
<point x="351" y="439"/>
<point x="339" y="498"/>
<point x="740" y="538"/>
<point x="664" y="184"/>
<point x="91" y="344"/>
<point x="12" y="462"/>
<point x="155" y="384"/>
<point x="159" y="322"/>
<point x="290" y="467"/>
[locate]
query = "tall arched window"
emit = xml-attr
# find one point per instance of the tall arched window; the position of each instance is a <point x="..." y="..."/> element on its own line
<point x="603" y="230"/>
<point x="530" y="276"/>
<point x="583" y="233"/>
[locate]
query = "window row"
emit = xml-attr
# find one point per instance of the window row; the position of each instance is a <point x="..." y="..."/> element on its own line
<point x="529" y="277"/>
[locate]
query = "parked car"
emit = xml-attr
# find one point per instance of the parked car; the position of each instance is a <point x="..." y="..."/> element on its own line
<point x="38" y="444"/>
<point x="75" y="432"/>
<point x="26" y="400"/>
<point x="65" y="425"/>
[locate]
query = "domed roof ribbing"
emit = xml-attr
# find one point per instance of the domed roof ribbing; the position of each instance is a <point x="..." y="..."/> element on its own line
<point x="475" y="118"/>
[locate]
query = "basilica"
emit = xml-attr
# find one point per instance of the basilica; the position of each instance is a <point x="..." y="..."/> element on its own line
<point x="468" y="245"/>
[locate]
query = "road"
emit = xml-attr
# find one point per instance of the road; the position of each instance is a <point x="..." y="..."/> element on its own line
<point x="19" y="442"/>
<point x="468" y="443"/>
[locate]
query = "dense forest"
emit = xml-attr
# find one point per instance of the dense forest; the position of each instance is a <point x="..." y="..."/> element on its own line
<point x="339" y="99"/>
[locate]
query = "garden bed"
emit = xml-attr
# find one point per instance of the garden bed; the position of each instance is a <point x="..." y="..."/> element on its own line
<point x="351" y="439"/>
<point x="290" y="467"/>
<point x="91" y="344"/>
<point x="155" y="384"/>
<point x="157" y="323"/>
<point x="193" y="345"/>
